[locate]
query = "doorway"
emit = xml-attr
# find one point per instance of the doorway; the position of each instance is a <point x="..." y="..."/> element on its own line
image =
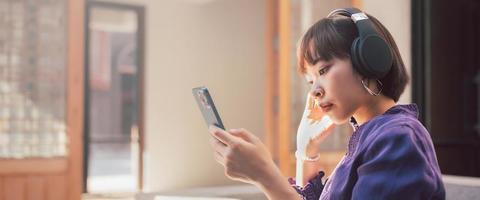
<point x="113" y="98"/>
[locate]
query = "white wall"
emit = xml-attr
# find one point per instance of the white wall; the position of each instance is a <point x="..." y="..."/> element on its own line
<point x="396" y="16"/>
<point x="189" y="43"/>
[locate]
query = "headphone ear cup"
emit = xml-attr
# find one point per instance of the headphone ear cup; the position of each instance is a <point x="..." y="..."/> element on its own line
<point x="371" y="56"/>
<point x="375" y="56"/>
<point x="356" y="59"/>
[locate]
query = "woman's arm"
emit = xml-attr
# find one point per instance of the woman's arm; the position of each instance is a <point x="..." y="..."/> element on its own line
<point x="276" y="187"/>
<point x="306" y="171"/>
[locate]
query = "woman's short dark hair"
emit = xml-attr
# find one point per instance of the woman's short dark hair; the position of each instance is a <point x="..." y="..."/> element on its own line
<point x="332" y="38"/>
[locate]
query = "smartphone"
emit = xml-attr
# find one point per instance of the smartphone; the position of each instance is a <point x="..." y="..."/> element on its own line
<point x="207" y="107"/>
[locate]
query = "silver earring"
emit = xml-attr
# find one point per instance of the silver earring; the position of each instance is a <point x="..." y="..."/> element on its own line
<point x="380" y="86"/>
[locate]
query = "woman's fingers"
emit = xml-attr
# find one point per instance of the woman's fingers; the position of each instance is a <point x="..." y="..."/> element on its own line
<point x="310" y="102"/>
<point x="218" y="146"/>
<point x="324" y="133"/>
<point x="219" y="158"/>
<point x="222" y="136"/>
<point x="316" y="114"/>
<point x="219" y="150"/>
<point x="241" y="153"/>
<point x="244" y="134"/>
<point x="312" y="111"/>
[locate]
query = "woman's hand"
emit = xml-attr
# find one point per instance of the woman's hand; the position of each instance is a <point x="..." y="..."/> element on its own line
<point x="314" y="127"/>
<point x="245" y="158"/>
<point x="243" y="155"/>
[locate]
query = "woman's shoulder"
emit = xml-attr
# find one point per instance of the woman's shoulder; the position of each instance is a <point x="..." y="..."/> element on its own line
<point x="396" y="127"/>
<point x="395" y="137"/>
<point x="400" y="123"/>
<point x="391" y="126"/>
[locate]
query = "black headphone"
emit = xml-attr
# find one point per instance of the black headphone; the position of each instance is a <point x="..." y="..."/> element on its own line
<point x="371" y="55"/>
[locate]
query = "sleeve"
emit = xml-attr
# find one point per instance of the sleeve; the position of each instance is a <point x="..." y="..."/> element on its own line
<point x="395" y="167"/>
<point x="312" y="190"/>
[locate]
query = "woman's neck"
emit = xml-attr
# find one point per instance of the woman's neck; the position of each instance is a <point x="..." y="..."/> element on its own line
<point x="377" y="106"/>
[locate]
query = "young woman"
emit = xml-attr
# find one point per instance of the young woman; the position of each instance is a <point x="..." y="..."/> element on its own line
<point x="357" y="75"/>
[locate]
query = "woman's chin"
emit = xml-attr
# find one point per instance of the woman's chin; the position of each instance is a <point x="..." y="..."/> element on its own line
<point x="338" y="120"/>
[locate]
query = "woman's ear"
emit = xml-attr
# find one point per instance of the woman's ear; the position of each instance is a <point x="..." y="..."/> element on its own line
<point x="377" y="86"/>
<point x="357" y="75"/>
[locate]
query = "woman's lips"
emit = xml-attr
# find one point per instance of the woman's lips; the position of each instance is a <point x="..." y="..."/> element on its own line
<point x="326" y="107"/>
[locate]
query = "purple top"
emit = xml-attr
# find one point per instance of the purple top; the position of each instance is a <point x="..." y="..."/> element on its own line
<point x="389" y="157"/>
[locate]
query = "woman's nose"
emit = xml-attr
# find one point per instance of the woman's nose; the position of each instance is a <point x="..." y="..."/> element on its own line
<point x="317" y="92"/>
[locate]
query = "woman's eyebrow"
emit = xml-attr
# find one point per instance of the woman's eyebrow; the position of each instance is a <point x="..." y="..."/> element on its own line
<point x="325" y="64"/>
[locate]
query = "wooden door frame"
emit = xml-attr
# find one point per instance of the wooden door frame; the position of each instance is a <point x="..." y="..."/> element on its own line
<point x="277" y="97"/>
<point x="75" y="94"/>
<point x="140" y="11"/>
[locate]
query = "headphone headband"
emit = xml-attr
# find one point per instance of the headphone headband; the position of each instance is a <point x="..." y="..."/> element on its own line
<point x="345" y="12"/>
<point x="364" y="24"/>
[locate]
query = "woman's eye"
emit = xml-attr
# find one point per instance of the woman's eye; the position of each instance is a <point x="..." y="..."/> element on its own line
<point x="323" y="70"/>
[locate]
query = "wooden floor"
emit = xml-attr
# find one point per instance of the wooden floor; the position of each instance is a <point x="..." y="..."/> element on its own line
<point x="125" y="196"/>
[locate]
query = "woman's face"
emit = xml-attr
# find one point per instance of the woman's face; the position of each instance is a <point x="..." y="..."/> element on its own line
<point x="336" y="87"/>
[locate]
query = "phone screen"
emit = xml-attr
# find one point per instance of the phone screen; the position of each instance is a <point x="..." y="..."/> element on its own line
<point x="207" y="107"/>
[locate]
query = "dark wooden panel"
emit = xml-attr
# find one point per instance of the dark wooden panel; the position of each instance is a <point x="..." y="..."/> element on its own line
<point x="451" y="163"/>
<point x="454" y="93"/>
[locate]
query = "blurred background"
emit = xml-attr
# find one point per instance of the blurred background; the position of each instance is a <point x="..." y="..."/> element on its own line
<point x="96" y="103"/>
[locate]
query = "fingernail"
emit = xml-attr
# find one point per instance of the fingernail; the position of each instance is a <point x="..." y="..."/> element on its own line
<point x="211" y="128"/>
<point x="212" y="131"/>
<point x="215" y="133"/>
